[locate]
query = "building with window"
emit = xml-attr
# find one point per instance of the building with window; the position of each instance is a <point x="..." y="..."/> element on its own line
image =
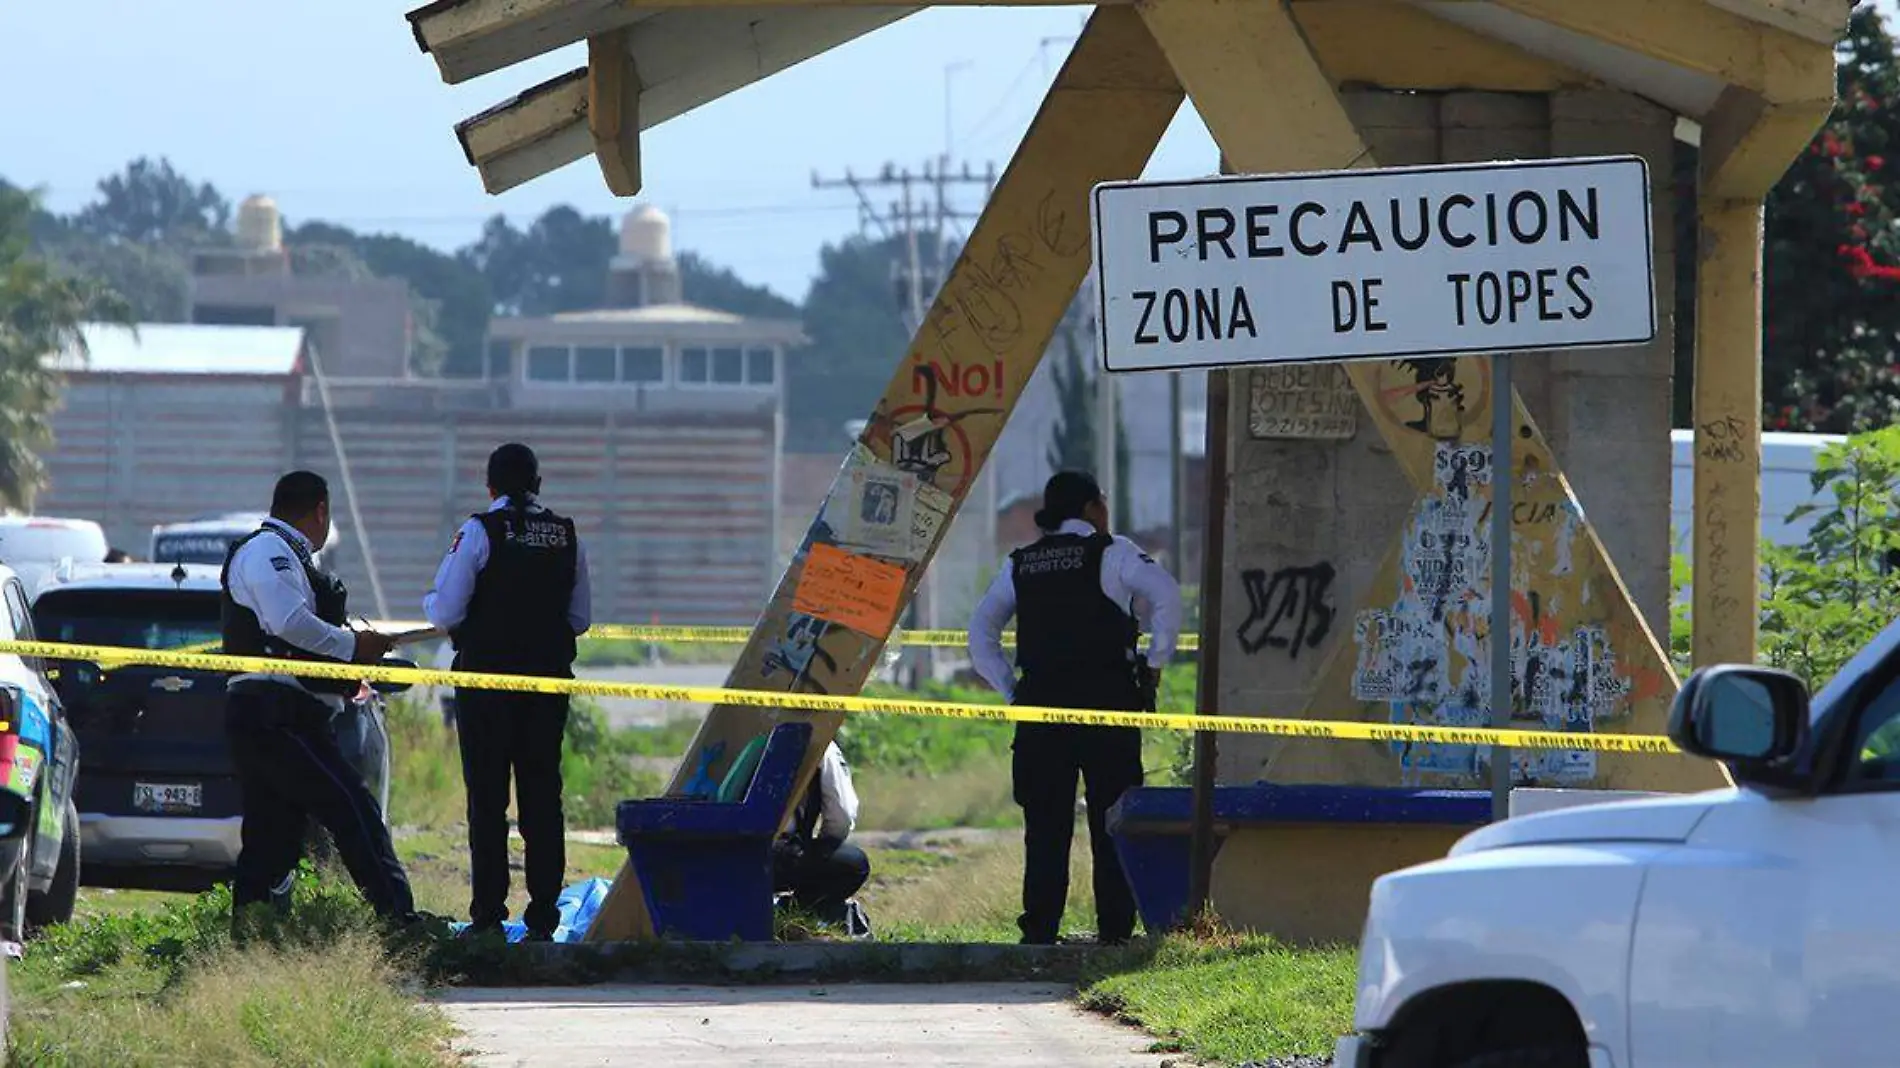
<point x="358" y="327"/>
<point x="648" y="349"/>
<point x="658" y="424"/>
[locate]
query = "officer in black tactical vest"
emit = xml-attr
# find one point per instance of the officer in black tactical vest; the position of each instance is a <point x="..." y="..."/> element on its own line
<point x="512" y="594"/>
<point x="1080" y="597"/>
<point x="277" y="604"/>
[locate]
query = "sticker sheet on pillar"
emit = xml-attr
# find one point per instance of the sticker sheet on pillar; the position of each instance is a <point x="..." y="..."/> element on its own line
<point x="871" y="507"/>
<point x="1426" y="656"/>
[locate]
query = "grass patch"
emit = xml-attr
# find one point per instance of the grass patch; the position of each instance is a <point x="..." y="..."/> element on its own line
<point x="437" y="864"/>
<point x="168" y="987"/>
<point x="600" y="765"/>
<point x="1234" y="999"/>
<point x="965" y="894"/>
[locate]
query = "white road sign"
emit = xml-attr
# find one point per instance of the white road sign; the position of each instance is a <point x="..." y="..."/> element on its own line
<point x="1403" y="261"/>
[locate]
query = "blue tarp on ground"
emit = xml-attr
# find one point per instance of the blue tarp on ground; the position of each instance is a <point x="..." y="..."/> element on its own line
<point x="578" y="903"/>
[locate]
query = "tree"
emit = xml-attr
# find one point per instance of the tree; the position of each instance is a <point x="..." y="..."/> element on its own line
<point x="152" y="203"/>
<point x="711" y="286"/>
<point x="857" y="339"/>
<point x="1829" y="597"/>
<point x="1072" y="438"/>
<point x="558" y="264"/>
<point x="1832" y="256"/>
<point x="41" y="311"/>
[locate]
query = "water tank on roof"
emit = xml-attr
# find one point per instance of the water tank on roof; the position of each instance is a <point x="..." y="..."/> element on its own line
<point x="259" y="227"/>
<point x="646" y="235"/>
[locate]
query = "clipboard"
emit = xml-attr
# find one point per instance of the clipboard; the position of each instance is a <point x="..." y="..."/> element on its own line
<point x="411" y="637"/>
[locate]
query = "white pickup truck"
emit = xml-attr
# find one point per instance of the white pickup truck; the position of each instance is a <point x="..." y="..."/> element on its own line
<point x="1752" y="927"/>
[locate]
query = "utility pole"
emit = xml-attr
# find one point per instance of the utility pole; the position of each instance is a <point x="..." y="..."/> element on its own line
<point x="921" y="219"/>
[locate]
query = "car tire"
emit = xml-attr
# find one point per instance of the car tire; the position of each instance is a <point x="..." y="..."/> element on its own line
<point x="15" y="891"/>
<point x="56" y="904"/>
<point x="1539" y="1057"/>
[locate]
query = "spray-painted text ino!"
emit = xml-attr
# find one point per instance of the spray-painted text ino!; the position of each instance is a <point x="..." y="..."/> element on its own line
<point x="983" y="378"/>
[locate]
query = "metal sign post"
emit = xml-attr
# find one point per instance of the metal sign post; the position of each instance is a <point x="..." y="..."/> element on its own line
<point x="1502" y="701"/>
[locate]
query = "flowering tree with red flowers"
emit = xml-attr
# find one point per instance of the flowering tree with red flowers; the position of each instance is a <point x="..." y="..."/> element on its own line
<point x="1831" y="345"/>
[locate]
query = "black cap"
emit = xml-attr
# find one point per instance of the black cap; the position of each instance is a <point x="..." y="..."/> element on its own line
<point x="1065" y="496"/>
<point x="513" y="470"/>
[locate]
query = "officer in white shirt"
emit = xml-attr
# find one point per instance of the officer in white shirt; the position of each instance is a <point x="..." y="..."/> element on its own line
<point x="812" y="861"/>
<point x="1081" y="597"/>
<point x="275" y="603"/>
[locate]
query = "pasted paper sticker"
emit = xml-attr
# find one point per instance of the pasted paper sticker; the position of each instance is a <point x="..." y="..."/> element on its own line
<point x="849" y="590"/>
<point x="874" y="515"/>
<point x="926" y="518"/>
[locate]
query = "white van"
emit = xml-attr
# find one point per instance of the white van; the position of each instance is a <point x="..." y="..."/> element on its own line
<point x="36" y="546"/>
<point x="1787" y="467"/>
<point x="208" y="539"/>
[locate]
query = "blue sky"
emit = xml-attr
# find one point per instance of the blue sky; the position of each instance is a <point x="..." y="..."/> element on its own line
<point x="330" y="108"/>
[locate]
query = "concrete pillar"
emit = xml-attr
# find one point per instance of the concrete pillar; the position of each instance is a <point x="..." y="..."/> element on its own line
<point x="1299" y="510"/>
<point x="1310" y="523"/>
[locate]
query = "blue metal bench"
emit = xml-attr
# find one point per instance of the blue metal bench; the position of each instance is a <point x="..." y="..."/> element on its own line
<point x="705" y="866"/>
<point x="1151" y="826"/>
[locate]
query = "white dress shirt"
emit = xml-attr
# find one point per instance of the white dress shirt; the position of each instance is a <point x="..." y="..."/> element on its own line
<point x="838" y="798"/>
<point x="446" y="604"/>
<point x="267" y="577"/>
<point x="1130" y="578"/>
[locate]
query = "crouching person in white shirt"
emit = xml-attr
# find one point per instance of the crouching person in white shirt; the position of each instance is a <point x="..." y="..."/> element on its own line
<point x="812" y="862"/>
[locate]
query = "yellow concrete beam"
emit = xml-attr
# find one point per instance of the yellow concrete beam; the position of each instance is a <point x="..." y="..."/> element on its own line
<point x="1397" y="45"/>
<point x="529" y="134"/>
<point x="954" y="388"/>
<point x="1271" y="108"/>
<point x="1725" y="582"/>
<point x="613" y="111"/>
<point x="1692" y="34"/>
<point x="469" y="38"/>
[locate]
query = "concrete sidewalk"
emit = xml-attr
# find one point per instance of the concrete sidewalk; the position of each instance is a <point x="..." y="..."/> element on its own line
<point x="991" y="1025"/>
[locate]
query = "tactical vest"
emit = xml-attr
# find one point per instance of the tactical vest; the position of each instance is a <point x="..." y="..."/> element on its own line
<point x="244" y="635"/>
<point x="517" y="619"/>
<point x="1074" y="646"/>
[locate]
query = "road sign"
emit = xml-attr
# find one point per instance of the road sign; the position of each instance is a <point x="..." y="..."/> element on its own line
<point x="1400" y="261"/>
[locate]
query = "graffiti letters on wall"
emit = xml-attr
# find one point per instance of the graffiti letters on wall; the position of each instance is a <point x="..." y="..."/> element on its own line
<point x="1289" y="611"/>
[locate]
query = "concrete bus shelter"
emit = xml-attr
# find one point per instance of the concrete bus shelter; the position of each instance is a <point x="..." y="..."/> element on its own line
<point x="1283" y="85"/>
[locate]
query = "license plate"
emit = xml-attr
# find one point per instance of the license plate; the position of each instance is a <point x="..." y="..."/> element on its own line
<point x="168" y="797"/>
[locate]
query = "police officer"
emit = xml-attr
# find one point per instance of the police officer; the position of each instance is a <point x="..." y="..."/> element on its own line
<point x="1080" y="597"/>
<point x="277" y="604"/>
<point x="512" y="594"/>
<point x="812" y="861"/>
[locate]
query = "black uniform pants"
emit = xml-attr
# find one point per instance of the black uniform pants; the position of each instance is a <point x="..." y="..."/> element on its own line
<point x="289" y="772"/>
<point x="1046" y="761"/>
<point x="518" y="735"/>
<point x="820" y="881"/>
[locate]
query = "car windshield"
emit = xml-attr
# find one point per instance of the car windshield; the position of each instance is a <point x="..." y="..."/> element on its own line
<point x="140" y="619"/>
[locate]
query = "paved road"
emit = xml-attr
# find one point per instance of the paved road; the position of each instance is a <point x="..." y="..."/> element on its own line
<point x="989" y="1025"/>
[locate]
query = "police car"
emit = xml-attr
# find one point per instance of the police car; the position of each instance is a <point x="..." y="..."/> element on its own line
<point x="39" y="760"/>
<point x="158" y="802"/>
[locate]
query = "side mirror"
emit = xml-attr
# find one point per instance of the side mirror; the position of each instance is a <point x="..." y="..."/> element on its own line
<point x="1747" y="716"/>
<point x="392" y="687"/>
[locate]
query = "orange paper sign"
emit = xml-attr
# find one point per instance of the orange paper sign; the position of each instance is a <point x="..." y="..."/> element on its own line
<point x="852" y="591"/>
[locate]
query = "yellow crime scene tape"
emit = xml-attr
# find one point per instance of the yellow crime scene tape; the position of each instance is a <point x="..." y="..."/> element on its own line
<point x="806" y="702"/>
<point x="657" y="632"/>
